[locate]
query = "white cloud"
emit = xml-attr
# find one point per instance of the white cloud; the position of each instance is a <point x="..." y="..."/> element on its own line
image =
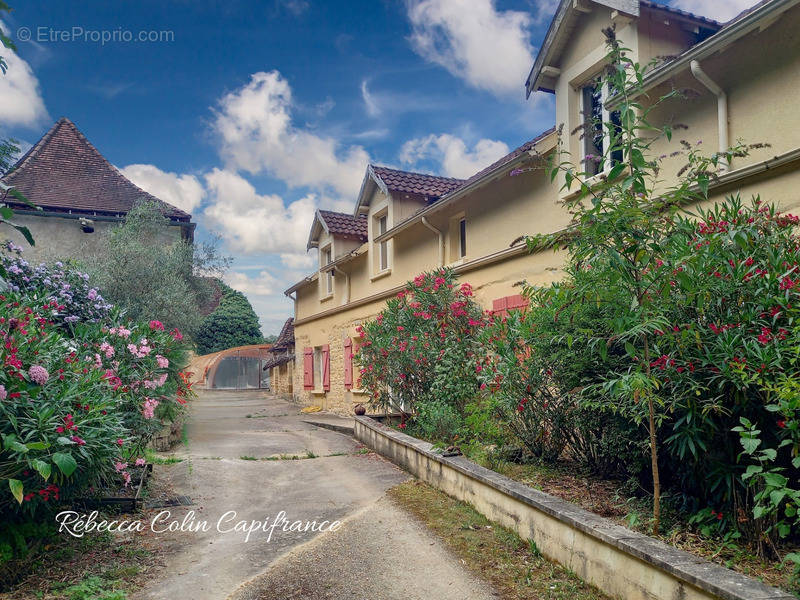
<point x="299" y="261"/>
<point x="257" y="135"/>
<point x="253" y="223"/>
<point x="714" y="9"/>
<point x="489" y="49"/>
<point x="22" y="102"/>
<point x="373" y="109"/>
<point x="452" y="153"/>
<point x="264" y="284"/>
<point x="183" y="191"/>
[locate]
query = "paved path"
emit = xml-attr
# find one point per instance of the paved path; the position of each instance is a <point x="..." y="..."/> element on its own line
<point x="341" y="483"/>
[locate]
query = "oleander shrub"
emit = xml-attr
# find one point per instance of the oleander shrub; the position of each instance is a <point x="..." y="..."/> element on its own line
<point x="421" y="355"/>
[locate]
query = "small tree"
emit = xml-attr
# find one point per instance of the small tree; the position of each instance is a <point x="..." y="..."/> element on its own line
<point x="232" y="323"/>
<point x="621" y="222"/>
<point x="150" y="277"/>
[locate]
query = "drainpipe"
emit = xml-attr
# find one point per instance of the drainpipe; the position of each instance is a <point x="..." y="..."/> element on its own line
<point x="441" y="239"/>
<point x="722" y="108"/>
<point x="346" y="284"/>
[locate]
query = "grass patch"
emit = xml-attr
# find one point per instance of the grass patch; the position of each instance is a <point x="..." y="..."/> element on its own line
<point x="157" y="459"/>
<point x="245" y="457"/>
<point x="94" y="587"/>
<point x="514" y="567"/>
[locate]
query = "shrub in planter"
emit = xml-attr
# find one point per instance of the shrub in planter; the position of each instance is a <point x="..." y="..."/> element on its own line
<point x="542" y="361"/>
<point x="730" y="353"/>
<point x="420" y="355"/>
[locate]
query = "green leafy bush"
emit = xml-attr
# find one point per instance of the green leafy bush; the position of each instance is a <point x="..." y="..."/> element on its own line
<point x="233" y="323"/>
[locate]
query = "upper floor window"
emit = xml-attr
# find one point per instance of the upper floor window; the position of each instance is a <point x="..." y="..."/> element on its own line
<point x="598" y="127"/>
<point x="383" y="249"/>
<point x="462" y="238"/>
<point x="327" y="258"/>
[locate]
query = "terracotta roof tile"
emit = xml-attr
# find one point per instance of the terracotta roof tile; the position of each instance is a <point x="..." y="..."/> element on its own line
<point x="285" y="338"/>
<point x="64" y="171"/>
<point x="430" y="186"/>
<point x="345" y="224"/>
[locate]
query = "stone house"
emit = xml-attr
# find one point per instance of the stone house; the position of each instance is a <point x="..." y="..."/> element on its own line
<point x="743" y="76"/>
<point x="281" y="364"/>
<point x="80" y="194"/>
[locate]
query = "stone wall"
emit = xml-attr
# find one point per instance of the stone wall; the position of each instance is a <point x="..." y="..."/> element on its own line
<point x="281" y="380"/>
<point x="620" y="562"/>
<point x="61" y="237"/>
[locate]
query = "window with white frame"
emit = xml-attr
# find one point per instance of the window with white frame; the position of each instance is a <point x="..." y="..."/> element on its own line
<point x="327" y="258"/>
<point x="318" y="367"/>
<point x="383" y="247"/>
<point x="599" y="125"/>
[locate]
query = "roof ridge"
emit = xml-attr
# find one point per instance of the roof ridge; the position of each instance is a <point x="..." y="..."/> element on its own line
<point x="374" y="166"/>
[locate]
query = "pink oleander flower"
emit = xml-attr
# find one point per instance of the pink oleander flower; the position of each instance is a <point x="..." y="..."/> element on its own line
<point x="120" y="442"/>
<point x="156" y="325"/>
<point x="3" y="392"/>
<point x="140" y="462"/>
<point x="120" y="331"/>
<point x="98" y="362"/>
<point x="120" y="466"/>
<point x="176" y="335"/>
<point x="38" y="374"/>
<point x="162" y="361"/>
<point x="162" y="379"/>
<point x="107" y="349"/>
<point x="127" y="477"/>
<point x="149" y="407"/>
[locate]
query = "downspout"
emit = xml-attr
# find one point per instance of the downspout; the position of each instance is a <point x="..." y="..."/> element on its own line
<point x="441" y="239"/>
<point x="722" y="108"/>
<point x="346" y="284"/>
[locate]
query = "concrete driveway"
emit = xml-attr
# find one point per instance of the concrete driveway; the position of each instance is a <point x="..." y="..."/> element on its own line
<point x="239" y="458"/>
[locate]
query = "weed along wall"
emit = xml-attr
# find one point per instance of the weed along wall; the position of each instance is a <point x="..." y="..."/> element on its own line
<point x="621" y="562"/>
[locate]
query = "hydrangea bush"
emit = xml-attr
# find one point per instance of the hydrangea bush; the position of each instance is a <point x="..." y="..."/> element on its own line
<point x="76" y="300"/>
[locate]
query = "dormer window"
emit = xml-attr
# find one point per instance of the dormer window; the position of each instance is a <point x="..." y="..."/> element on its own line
<point x="598" y="125"/>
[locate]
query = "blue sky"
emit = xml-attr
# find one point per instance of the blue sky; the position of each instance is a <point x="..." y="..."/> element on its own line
<point x="252" y="114"/>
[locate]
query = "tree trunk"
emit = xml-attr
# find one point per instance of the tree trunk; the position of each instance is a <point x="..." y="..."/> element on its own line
<point x="653" y="447"/>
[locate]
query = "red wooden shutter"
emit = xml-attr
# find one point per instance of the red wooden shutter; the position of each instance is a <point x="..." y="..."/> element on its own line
<point x="499" y="306"/>
<point x="308" y="368"/>
<point x="518" y="301"/>
<point x="348" y="364"/>
<point x="326" y="367"/>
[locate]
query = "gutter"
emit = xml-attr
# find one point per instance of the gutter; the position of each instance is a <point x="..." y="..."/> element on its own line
<point x="722" y="108"/>
<point x="709" y="46"/>
<point x="441" y="239"/>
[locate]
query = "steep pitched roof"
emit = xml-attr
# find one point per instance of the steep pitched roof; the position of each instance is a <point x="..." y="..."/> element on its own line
<point x="285" y="339"/>
<point x="345" y="224"/>
<point x="353" y="227"/>
<point x="430" y="186"/>
<point x="566" y="18"/>
<point x="65" y="172"/>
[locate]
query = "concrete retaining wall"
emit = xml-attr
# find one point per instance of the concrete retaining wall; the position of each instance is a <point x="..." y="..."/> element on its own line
<point x="621" y="562"/>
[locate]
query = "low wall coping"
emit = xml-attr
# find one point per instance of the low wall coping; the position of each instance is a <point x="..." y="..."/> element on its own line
<point x="703" y="574"/>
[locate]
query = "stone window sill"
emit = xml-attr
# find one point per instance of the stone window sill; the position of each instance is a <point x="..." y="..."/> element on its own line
<point x="381" y="274"/>
<point x="326" y="297"/>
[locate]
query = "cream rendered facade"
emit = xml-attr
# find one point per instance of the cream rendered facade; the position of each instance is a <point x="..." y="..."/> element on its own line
<point x="754" y="59"/>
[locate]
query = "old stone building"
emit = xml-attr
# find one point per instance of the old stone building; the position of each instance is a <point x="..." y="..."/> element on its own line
<point x="80" y="194"/>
